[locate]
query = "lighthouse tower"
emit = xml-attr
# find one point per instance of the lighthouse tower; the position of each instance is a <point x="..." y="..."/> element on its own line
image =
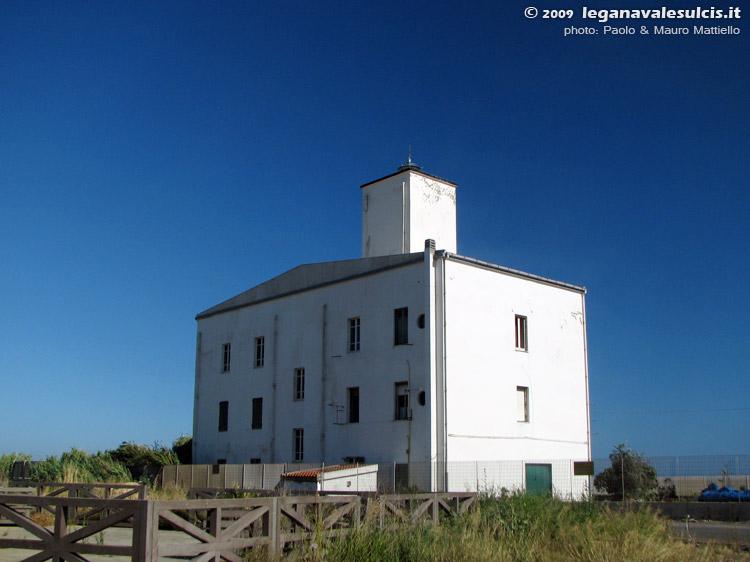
<point x="402" y="210"/>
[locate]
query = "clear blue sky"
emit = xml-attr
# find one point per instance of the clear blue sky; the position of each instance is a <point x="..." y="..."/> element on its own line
<point x="157" y="158"/>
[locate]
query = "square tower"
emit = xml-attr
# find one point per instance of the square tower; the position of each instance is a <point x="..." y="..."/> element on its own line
<point x="402" y="210"/>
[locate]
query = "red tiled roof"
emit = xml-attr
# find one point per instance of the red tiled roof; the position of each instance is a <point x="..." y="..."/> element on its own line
<point x="313" y="473"/>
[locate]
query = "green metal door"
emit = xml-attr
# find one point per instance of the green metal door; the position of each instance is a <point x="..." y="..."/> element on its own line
<point x="539" y="478"/>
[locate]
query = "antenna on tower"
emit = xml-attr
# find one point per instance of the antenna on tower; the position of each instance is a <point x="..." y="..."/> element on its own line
<point x="409" y="164"/>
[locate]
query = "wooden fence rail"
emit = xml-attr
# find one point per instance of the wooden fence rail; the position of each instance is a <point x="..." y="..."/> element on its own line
<point x="210" y="529"/>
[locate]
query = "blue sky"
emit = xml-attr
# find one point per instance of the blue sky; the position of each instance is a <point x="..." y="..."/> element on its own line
<point x="158" y="158"/>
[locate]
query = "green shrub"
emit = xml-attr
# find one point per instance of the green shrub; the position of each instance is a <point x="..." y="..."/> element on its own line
<point x="6" y="464"/>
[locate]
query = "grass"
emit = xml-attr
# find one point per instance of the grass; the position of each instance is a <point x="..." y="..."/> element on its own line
<point x="519" y="528"/>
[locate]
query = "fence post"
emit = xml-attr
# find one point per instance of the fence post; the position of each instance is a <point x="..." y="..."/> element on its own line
<point x="273" y="526"/>
<point x="142" y="531"/>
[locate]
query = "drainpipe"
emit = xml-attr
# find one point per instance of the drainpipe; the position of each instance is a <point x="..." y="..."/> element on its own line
<point x="196" y="394"/>
<point x="274" y="371"/>
<point x="441" y="425"/>
<point x="323" y="377"/>
<point x="586" y="378"/>
<point x="408" y="428"/>
<point x="403" y="217"/>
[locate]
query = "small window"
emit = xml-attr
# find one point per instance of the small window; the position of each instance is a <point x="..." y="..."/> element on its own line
<point x="299" y="383"/>
<point x="354" y="460"/>
<point x="257" y="413"/>
<point x="260" y="352"/>
<point x="353" y="399"/>
<point x="522" y="336"/>
<point x="354" y="334"/>
<point x="227" y="357"/>
<point x="299" y="444"/>
<point x="522" y="403"/>
<point x="223" y="415"/>
<point x="401" y="326"/>
<point x="255" y="461"/>
<point x="420" y="321"/>
<point x="402" y="401"/>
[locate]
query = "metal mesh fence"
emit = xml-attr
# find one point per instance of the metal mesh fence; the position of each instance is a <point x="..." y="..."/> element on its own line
<point x="691" y="474"/>
<point x="688" y="475"/>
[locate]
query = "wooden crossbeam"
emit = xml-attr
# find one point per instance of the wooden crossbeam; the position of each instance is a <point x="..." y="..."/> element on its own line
<point x="337" y="514"/>
<point x="420" y="511"/>
<point x="24" y="522"/>
<point x="244" y="522"/>
<point x="298" y="518"/>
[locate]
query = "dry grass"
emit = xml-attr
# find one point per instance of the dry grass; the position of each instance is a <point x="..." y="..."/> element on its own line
<point x="167" y="493"/>
<point x="43" y="518"/>
<point x="521" y="529"/>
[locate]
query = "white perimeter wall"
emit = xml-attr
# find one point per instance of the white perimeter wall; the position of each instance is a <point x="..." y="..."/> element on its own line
<point x="359" y="479"/>
<point x="484" y="368"/>
<point x="299" y="342"/>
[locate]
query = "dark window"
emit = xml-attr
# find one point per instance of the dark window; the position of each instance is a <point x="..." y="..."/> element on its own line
<point x="522" y="336"/>
<point x="354" y="460"/>
<point x="227" y="354"/>
<point x="257" y="413"/>
<point x="354" y="334"/>
<point x="299" y="444"/>
<point x="422" y="398"/>
<point x="254" y="461"/>
<point x="401" y="326"/>
<point x="260" y="351"/>
<point x="353" y="399"/>
<point x="420" y="322"/>
<point x="299" y="383"/>
<point x="402" y="401"/>
<point x="223" y="415"/>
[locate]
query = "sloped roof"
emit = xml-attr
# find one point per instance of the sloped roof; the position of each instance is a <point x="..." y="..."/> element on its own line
<point x="312" y="276"/>
<point x="313" y="473"/>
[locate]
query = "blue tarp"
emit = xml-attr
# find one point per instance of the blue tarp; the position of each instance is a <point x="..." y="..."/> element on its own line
<point x="724" y="494"/>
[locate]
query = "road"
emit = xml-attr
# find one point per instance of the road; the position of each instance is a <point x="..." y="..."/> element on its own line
<point x="718" y="531"/>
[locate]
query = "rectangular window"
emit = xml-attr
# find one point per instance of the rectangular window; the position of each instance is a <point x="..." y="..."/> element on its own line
<point x="522" y="403"/>
<point x="402" y="401"/>
<point x="255" y="461"/>
<point x="260" y="351"/>
<point x="223" y="415"/>
<point x="299" y="444"/>
<point x="227" y="357"/>
<point x="353" y="399"/>
<point x="401" y="326"/>
<point x="522" y="336"/>
<point x="299" y="383"/>
<point x="354" y="334"/>
<point x="257" y="413"/>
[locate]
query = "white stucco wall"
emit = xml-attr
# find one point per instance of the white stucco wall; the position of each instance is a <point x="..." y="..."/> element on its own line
<point x="299" y="342"/>
<point x="432" y="213"/>
<point x="359" y="479"/>
<point x="483" y="368"/>
<point x="401" y="211"/>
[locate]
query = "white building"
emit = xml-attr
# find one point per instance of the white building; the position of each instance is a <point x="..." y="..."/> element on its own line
<point x="412" y="354"/>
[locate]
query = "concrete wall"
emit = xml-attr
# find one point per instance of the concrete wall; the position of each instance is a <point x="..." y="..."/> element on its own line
<point x="484" y="369"/>
<point x="401" y="211"/>
<point x="310" y="330"/>
<point x="358" y="479"/>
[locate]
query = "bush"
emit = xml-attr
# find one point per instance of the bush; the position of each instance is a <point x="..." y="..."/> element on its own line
<point x="630" y="474"/>
<point x="7" y="462"/>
